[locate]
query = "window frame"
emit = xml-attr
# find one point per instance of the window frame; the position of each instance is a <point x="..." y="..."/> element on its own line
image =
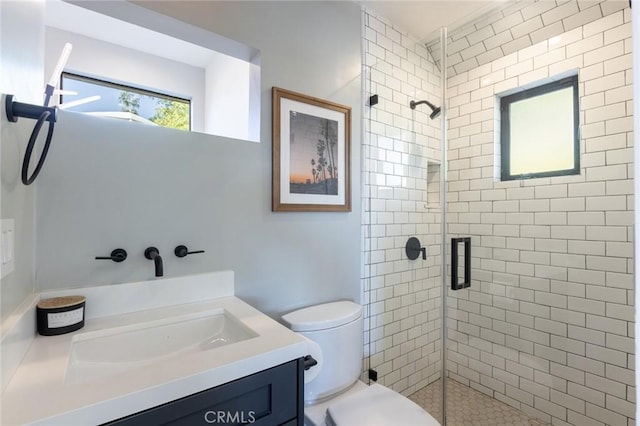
<point x="127" y="87"/>
<point x="505" y="128"/>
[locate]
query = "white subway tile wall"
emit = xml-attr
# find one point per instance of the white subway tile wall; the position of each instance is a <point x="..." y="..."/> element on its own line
<point x="505" y="30"/>
<point x="401" y="199"/>
<point x="547" y="325"/>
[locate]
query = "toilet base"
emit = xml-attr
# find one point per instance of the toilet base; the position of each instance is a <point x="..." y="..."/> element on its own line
<point x="368" y="405"/>
<point x="315" y="414"/>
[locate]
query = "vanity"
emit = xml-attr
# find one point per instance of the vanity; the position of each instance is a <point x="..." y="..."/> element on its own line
<point x="270" y="397"/>
<point x="170" y="351"/>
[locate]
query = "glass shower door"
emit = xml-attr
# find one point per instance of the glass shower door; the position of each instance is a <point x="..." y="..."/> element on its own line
<point x="401" y="187"/>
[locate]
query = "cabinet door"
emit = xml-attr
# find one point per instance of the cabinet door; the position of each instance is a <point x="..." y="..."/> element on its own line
<point x="268" y="398"/>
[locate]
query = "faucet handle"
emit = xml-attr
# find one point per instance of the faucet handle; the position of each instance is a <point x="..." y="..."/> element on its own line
<point x="117" y="255"/>
<point x="182" y="251"/>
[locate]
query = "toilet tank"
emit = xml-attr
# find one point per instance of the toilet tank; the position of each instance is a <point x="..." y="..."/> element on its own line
<point x="337" y="328"/>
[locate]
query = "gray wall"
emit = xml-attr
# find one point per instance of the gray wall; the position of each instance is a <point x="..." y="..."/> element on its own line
<point x="111" y="184"/>
<point x="21" y="74"/>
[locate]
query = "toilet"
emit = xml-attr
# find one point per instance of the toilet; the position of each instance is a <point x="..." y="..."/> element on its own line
<point x="333" y="395"/>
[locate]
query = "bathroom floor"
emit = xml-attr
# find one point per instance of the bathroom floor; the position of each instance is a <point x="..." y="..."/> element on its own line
<point x="478" y="409"/>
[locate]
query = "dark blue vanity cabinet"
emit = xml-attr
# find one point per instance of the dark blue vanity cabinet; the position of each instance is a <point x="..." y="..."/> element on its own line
<point x="268" y="398"/>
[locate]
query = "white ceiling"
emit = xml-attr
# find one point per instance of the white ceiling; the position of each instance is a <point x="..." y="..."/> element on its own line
<point x="423" y="18"/>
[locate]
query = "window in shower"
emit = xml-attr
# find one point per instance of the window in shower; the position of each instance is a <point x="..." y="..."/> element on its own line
<point x="539" y="131"/>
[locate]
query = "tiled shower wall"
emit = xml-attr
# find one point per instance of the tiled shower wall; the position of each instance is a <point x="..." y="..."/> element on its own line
<point x="401" y="178"/>
<point x="547" y="325"/>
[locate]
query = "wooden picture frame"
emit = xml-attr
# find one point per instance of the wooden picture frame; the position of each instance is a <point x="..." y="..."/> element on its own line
<point x="311" y="154"/>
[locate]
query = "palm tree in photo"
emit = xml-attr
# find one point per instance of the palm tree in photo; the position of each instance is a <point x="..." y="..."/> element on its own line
<point x="330" y="141"/>
<point x="321" y="147"/>
<point x="322" y="167"/>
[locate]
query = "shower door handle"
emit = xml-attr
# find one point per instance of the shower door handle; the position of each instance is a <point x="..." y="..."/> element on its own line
<point x="456" y="282"/>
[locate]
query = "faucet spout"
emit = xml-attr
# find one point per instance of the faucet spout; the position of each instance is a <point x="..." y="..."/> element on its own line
<point x="158" y="264"/>
<point x="152" y="253"/>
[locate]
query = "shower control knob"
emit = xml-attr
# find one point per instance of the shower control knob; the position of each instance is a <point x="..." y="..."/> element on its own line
<point x="413" y="249"/>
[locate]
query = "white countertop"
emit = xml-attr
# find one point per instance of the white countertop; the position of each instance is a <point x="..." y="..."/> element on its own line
<point x="38" y="394"/>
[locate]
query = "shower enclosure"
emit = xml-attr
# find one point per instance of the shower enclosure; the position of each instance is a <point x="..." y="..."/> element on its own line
<point x="533" y="323"/>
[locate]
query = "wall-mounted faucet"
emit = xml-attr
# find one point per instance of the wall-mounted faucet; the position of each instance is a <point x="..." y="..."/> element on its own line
<point x="152" y="253"/>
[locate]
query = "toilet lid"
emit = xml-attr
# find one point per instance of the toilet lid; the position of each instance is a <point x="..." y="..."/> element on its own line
<point x="378" y="406"/>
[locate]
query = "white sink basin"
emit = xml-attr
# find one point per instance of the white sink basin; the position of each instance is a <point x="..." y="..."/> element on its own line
<point x="110" y="351"/>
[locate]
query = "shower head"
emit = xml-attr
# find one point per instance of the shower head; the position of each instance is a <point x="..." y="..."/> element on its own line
<point x="435" y="111"/>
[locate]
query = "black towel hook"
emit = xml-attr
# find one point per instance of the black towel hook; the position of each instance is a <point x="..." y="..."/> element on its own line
<point x="16" y="109"/>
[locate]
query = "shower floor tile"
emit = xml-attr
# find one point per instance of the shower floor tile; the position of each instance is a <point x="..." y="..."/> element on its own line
<point x="468" y="407"/>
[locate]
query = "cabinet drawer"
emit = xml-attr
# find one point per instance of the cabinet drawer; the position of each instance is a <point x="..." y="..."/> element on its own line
<point x="268" y="398"/>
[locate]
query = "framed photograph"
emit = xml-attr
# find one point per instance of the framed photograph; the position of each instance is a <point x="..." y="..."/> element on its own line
<point x="311" y="154"/>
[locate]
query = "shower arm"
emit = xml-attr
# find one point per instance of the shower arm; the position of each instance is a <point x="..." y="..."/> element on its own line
<point x="414" y="104"/>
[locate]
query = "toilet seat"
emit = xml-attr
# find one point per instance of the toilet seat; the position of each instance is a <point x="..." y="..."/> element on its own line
<point x="377" y="405"/>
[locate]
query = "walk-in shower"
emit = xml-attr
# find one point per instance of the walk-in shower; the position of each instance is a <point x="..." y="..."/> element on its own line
<point x="543" y="334"/>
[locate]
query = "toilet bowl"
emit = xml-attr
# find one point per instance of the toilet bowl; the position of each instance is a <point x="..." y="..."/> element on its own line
<point x="335" y="396"/>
